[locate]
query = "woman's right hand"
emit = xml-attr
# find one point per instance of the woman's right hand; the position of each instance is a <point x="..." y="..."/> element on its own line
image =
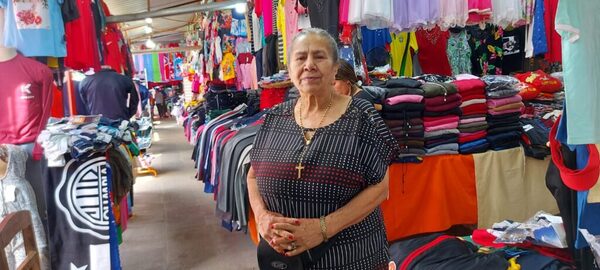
<point x="265" y="222"/>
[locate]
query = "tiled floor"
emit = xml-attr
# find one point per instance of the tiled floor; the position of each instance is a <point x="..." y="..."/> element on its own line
<point x="174" y="224"/>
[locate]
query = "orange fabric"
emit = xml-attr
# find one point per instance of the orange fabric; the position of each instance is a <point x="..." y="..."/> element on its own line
<point x="252" y="230"/>
<point x="431" y="196"/>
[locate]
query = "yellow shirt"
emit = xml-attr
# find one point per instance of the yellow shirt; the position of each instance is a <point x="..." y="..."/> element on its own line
<point x="401" y="56"/>
<point x="227" y="66"/>
<point x="281" y="27"/>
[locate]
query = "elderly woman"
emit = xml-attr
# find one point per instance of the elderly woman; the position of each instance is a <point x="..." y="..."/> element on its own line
<point x="319" y="168"/>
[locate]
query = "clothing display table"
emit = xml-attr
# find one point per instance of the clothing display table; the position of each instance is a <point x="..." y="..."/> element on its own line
<point x="481" y="189"/>
<point x="449" y="190"/>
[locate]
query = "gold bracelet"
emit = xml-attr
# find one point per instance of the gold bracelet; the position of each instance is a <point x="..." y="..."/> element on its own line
<point x="323" y="228"/>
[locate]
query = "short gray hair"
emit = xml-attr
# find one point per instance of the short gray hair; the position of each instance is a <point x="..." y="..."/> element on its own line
<point x="331" y="43"/>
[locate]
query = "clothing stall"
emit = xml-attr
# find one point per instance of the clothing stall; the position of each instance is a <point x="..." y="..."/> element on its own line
<point x="473" y="128"/>
<point x="475" y="93"/>
<point x="74" y="174"/>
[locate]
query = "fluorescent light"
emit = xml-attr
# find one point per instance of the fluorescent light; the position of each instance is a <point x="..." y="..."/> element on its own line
<point x="148" y="29"/>
<point x="150" y="44"/>
<point x="148" y="20"/>
<point x="240" y="8"/>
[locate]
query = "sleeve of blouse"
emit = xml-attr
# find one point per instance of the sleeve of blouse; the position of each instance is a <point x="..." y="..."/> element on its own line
<point x="379" y="148"/>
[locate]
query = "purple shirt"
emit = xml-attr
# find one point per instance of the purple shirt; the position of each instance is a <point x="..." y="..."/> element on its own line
<point x="410" y="14"/>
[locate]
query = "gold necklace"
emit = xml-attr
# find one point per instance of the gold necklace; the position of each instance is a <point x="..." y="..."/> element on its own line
<point x="307" y="140"/>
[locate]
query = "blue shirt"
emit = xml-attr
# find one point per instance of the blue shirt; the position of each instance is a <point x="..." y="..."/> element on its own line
<point x="34" y="28"/>
<point x="374" y="38"/>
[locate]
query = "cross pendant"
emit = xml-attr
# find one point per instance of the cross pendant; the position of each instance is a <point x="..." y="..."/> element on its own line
<point x="299" y="168"/>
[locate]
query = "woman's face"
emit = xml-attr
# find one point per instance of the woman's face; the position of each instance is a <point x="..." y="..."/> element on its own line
<point x="342" y="87"/>
<point x="311" y="65"/>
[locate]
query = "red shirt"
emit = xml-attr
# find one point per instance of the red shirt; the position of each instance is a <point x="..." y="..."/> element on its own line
<point x="554" y="41"/>
<point x="432" y="51"/>
<point x="26" y="99"/>
<point x="82" y="45"/>
<point x="113" y="56"/>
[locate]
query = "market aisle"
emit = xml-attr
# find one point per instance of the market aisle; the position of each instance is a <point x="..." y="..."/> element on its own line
<point x="174" y="224"/>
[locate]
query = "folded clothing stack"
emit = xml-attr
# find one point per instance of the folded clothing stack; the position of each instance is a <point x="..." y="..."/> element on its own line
<point x="504" y="111"/>
<point x="442" y="111"/>
<point x="472" y="124"/>
<point x="441" y="134"/>
<point x="403" y="113"/>
<point x="535" y="137"/>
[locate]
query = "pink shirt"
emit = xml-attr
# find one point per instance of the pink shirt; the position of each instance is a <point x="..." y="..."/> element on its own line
<point x="267" y="12"/>
<point x="441" y="127"/>
<point x="344" y="11"/>
<point x="404" y="99"/>
<point x="504" y="112"/>
<point x="26" y="100"/>
<point x="434" y="121"/>
<point x="493" y="103"/>
<point x="472" y="120"/>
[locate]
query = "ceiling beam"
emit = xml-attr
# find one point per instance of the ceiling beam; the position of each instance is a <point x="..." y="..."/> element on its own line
<point x="174" y="11"/>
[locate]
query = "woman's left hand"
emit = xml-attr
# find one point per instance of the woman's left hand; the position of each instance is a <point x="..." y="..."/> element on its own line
<point x="306" y="235"/>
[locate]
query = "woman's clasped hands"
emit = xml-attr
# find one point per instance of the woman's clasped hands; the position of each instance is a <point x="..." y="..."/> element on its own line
<point x="289" y="236"/>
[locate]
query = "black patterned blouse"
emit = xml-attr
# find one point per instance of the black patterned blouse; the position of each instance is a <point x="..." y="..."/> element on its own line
<point x="343" y="159"/>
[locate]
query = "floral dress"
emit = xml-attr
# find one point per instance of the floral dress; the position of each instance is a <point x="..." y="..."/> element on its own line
<point x="486" y="47"/>
<point x="459" y="53"/>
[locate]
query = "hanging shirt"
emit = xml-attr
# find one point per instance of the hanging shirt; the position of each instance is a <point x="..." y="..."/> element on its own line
<point x="423" y="13"/>
<point x="513" y="51"/>
<point x="374" y="38"/>
<point x="80" y="34"/>
<point x="377" y="14"/>
<point x="227" y="66"/>
<point x="432" y="51"/>
<point x="112" y="48"/>
<point x="355" y="11"/>
<point x="486" y="47"/>
<point x="401" y="21"/>
<point x="400" y="49"/>
<point x="453" y="13"/>
<point x="480" y="11"/>
<point x="34" y="27"/>
<point x="552" y="37"/>
<point x="507" y="12"/>
<point x="324" y="14"/>
<point x="287" y="23"/>
<point x="26" y="99"/>
<point x="577" y="23"/>
<point x="257" y="32"/>
<point x="266" y="9"/>
<point x="238" y="24"/>
<point x="459" y="53"/>
<point x="540" y="45"/>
